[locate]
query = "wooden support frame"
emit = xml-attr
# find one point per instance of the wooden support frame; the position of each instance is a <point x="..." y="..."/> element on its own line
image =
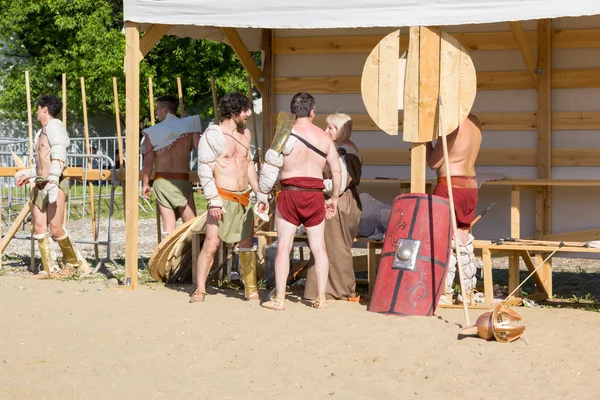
<point x="150" y="38"/>
<point x="244" y="56"/>
<point x="525" y="48"/>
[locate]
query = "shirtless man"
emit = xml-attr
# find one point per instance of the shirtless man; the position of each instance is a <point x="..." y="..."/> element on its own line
<point x="167" y="147"/>
<point x="226" y="169"/>
<point x="463" y="148"/>
<point x="50" y="192"/>
<point x="301" y="200"/>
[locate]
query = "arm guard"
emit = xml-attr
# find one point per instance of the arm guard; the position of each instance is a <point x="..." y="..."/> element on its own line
<point x="58" y="138"/>
<point x="29" y="173"/>
<point x="211" y="146"/>
<point x="269" y="173"/>
<point x="329" y="183"/>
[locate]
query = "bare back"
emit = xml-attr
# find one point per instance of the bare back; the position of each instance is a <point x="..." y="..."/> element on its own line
<point x="302" y="161"/>
<point x="177" y="157"/>
<point x="231" y="169"/>
<point x="464" y="145"/>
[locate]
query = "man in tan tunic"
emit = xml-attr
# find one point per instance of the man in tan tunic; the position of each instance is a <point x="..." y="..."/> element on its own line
<point x="463" y="147"/>
<point x="226" y="170"/>
<point x="167" y="146"/>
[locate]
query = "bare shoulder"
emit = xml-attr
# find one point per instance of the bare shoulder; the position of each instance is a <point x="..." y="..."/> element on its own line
<point x="474" y="120"/>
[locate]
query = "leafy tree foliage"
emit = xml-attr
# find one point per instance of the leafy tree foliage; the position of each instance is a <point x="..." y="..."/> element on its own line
<point x="85" y="38"/>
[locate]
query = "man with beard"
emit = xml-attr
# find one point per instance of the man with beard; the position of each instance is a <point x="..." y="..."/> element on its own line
<point x="225" y="169"/>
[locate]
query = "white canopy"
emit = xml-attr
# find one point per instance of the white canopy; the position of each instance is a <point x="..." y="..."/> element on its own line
<point x="315" y="14"/>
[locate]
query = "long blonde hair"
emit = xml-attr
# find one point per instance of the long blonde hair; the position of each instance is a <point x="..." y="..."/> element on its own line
<point x="343" y="123"/>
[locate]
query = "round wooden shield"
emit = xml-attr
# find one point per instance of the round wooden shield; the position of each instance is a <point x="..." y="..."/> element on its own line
<point x="412" y="82"/>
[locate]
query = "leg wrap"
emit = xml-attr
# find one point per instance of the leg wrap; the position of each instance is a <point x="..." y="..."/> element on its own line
<point x="248" y="267"/>
<point x="469" y="266"/>
<point x="45" y="250"/>
<point x="69" y="254"/>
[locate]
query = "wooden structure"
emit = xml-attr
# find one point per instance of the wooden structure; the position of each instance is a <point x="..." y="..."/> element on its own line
<point x="526" y="72"/>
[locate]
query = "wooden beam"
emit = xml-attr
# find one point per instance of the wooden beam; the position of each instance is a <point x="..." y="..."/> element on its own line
<point x="150" y="38"/>
<point x="565" y="39"/>
<point x="497" y="121"/>
<point x="502" y="80"/>
<point x="515" y="212"/>
<point x="524" y="48"/>
<point x="574" y="236"/>
<point x="244" y="56"/>
<point x="132" y="128"/>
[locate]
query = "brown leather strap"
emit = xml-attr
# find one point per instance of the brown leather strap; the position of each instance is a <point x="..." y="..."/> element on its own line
<point x="467" y="182"/>
<point x="241" y="198"/>
<point x="174" y="176"/>
<point x="300" y="189"/>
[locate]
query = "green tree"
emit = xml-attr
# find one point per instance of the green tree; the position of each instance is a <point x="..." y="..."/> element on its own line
<point x="84" y="38"/>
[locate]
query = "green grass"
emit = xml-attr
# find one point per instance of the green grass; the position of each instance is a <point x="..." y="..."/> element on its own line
<point x="118" y="210"/>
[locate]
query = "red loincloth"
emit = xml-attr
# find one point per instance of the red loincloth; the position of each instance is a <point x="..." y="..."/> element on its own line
<point x="297" y="206"/>
<point x="465" y="194"/>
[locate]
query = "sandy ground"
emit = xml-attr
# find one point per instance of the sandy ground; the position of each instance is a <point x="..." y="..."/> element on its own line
<point x="77" y="340"/>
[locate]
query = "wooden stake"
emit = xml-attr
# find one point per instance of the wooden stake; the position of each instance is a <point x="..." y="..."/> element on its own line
<point x="214" y="97"/>
<point x="151" y="102"/>
<point x="64" y="99"/>
<point x="452" y="215"/>
<point x="89" y="165"/>
<point x="132" y="129"/>
<point x="30" y="132"/>
<point x="118" y="121"/>
<point x="64" y="120"/>
<point x="180" y="94"/>
<point x="254" y="132"/>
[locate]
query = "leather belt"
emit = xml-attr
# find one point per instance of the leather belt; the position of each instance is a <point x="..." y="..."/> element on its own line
<point x="241" y="198"/>
<point x="300" y="189"/>
<point x="174" y="176"/>
<point x="465" y="182"/>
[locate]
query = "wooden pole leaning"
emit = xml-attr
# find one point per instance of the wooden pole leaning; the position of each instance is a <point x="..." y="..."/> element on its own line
<point x="152" y="121"/>
<point x="254" y="132"/>
<point x="30" y="132"/>
<point x="119" y="138"/>
<point x="89" y="165"/>
<point x="452" y="214"/>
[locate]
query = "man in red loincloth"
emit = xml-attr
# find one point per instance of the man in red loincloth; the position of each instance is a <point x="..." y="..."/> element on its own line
<point x="463" y="148"/>
<point x="301" y="201"/>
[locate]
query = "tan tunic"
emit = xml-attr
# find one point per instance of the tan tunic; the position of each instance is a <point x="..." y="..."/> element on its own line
<point x="340" y="232"/>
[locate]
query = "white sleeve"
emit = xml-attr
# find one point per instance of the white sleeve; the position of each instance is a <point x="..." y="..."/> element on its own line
<point x="269" y="172"/>
<point x="58" y="139"/>
<point x="211" y="146"/>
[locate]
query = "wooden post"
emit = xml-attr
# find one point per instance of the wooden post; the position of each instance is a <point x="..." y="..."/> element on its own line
<point x="64" y="99"/>
<point x="151" y="102"/>
<point x="180" y="94"/>
<point x="515" y="232"/>
<point x="254" y="132"/>
<point x="64" y="120"/>
<point x="118" y="121"/>
<point x="544" y="123"/>
<point x="89" y="165"/>
<point x="214" y="98"/>
<point x="132" y="129"/>
<point x="525" y="48"/>
<point x="268" y="93"/>
<point x="30" y="132"/>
